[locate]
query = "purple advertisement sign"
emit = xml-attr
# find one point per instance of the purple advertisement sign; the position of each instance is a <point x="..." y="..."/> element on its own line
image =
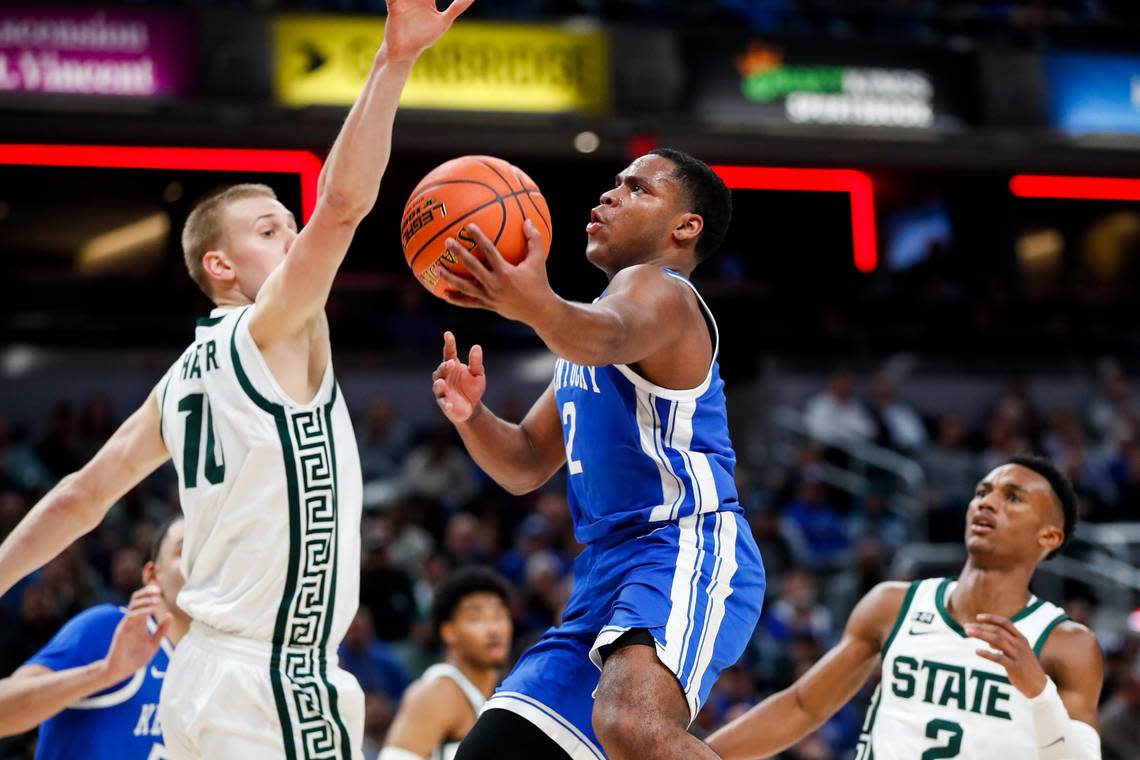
<point x="119" y="53"/>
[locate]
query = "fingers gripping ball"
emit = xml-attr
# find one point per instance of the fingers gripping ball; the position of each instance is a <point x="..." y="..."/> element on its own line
<point x="489" y="192"/>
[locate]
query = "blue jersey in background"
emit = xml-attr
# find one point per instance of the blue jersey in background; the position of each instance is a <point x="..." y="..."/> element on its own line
<point x="119" y="723"/>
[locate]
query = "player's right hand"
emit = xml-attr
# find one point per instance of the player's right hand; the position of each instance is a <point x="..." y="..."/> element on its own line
<point x="459" y="387"/>
<point x="413" y="26"/>
<point x="133" y="646"/>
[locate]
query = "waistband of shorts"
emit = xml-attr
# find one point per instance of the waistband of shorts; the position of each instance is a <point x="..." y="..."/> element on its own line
<point x="245" y="648"/>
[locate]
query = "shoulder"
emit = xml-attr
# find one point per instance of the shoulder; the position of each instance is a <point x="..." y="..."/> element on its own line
<point x="437" y="694"/>
<point x="876" y="614"/>
<point x="1071" y="649"/>
<point x="85" y="638"/>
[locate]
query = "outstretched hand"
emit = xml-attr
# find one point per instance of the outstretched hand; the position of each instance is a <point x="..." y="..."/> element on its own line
<point x="414" y="25"/>
<point x="516" y="291"/>
<point x="133" y="646"/>
<point x="459" y="387"/>
<point x="1011" y="650"/>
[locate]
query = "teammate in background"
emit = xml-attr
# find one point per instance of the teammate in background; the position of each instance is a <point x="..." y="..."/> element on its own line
<point x="471" y="616"/>
<point x="669" y="587"/>
<point x="269" y="476"/>
<point x="1031" y="694"/>
<point x="95" y="685"/>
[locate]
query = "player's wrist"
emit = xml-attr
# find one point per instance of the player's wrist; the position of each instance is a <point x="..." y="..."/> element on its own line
<point x="103" y="674"/>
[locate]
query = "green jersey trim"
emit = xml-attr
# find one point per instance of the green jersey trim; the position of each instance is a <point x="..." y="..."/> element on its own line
<point x="1046" y="633"/>
<point x="209" y="321"/>
<point x="298" y="662"/>
<point x="940" y="604"/>
<point x="901" y="618"/>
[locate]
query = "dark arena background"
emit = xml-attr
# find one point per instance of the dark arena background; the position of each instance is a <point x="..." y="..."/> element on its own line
<point x="934" y="263"/>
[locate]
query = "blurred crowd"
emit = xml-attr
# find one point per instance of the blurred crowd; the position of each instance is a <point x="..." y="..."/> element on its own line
<point x="429" y="510"/>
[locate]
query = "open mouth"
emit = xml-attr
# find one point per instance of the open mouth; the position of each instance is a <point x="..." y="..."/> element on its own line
<point x="982" y="525"/>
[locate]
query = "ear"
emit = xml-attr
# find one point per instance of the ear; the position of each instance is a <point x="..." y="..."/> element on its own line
<point x="218" y="266"/>
<point x="149" y="573"/>
<point x="1050" y="538"/>
<point x="688" y="228"/>
<point x="447" y="634"/>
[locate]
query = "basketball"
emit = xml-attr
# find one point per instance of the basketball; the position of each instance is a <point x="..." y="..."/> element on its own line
<point x="490" y="192"/>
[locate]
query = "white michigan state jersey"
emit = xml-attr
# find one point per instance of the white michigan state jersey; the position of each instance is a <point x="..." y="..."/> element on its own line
<point x="447" y="750"/>
<point x="938" y="699"/>
<point x="270" y="489"/>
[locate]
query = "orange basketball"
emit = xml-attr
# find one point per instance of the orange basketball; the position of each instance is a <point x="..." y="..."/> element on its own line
<point x="494" y="194"/>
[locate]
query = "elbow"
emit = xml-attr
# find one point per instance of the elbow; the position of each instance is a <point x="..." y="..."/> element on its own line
<point x="347" y="209"/>
<point x="72" y="505"/>
<point x="519" y="487"/>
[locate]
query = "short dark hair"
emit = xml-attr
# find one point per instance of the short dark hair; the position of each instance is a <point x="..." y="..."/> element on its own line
<point x="709" y="197"/>
<point x="159" y="536"/>
<point x="461" y="584"/>
<point x="1062" y="490"/>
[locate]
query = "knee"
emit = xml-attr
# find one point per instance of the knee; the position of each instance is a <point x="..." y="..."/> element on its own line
<point x="622" y="729"/>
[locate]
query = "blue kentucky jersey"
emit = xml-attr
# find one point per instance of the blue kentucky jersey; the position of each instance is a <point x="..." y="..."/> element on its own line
<point x="638" y="454"/>
<point x="120" y="722"/>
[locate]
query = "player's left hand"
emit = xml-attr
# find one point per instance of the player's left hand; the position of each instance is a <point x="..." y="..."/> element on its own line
<point x="1011" y="650"/>
<point x="516" y="291"/>
<point x="413" y="26"/>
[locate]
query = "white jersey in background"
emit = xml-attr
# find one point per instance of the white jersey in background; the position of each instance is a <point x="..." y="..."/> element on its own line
<point x="271" y="493"/>
<point x="447" y="750"/>
<point x="938" y="699"/>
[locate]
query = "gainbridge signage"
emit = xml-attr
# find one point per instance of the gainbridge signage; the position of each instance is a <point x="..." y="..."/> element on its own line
<point x="476" y="66"/>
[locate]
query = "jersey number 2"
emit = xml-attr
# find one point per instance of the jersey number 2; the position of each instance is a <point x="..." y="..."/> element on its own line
<point x="936" y="728"/>
<point x="214" y="471"/>
<point x="568" y="414"/>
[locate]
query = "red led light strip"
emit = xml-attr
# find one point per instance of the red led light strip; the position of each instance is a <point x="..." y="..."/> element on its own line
<point x="301" y="162"/>
<point x="856" y="184"/>
<point x="1079" y="188"/>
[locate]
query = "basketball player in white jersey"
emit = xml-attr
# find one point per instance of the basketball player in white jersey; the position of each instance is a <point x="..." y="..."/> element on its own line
<point x="471" y="616"/>
<point x="974" y="667"/>
<point x="262" y="442"/>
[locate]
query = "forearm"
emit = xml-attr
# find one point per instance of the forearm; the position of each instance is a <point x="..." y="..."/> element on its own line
<point x="503" y="450"/>
<point x="51" y="526"/>
<point x="1058" y="736"/>
<point x="27" y="701"/>
<point x="773" y="725"/>
<point x="351" y="176"/>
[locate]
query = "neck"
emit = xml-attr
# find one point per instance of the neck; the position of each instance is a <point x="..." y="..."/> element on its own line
<point x="485" y="679"/>
<point x="997" y="591"/>
<point x="178" y="627"/>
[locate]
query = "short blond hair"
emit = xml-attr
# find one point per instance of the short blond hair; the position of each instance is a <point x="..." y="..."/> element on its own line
<point x="205" y="227"/>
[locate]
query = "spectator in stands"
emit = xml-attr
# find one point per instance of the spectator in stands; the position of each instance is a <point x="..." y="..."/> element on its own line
<point x="816" y="529"/>
<point x="371" y="660"/>
<point x="1111" y="414"/>
<point x="59" y="449"/>
<point x="898" y="425"/>
<point x="439" y="470"/>
<point x="835" y="415"/>
<point x="951" y="471"/>
<point x="1120" y="720"/>
<point x="384" y="442"/>
<point x="386" y="591"/>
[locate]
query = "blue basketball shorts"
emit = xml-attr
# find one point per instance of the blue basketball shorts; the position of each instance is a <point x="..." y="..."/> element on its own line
<point x="696" y="585"/>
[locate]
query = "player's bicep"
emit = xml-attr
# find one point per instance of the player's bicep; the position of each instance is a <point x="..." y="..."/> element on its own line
<point x="1075" y="662"/>
<point x="297" y="290"/>
<point x="543" y="430"/>
<point x="134" y="451"/>
<point x="840" y="673"/>
<point x="651" y="308"/>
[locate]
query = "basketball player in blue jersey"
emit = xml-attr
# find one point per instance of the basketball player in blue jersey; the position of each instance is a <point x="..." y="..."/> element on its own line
<point x="669" y="587"/>
<point x="95" y="686"/>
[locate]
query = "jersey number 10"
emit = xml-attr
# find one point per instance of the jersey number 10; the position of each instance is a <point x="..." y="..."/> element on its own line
<point x="213" y="470"/>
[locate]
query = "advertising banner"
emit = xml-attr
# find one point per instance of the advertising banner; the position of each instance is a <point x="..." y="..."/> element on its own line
<point x="476" y="66"/>
<point x="120" y="53"/>
<point x="750" y="81"/>
<point x="1094" y="92"/>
